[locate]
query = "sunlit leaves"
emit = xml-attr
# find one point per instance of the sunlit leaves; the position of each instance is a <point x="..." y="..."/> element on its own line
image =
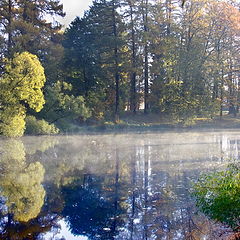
<point x="25" y="78"/>
<point x="39" y="127"/>
<point x="21" y="86"/>
<point x="12" y="122"/>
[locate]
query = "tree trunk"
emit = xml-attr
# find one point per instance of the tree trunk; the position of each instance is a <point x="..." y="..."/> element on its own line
<point x="85" y="80"/>
<point x="117" y="75"/>
<point x="221" y="95"/>
<point x="133" y="71"/>
<point x="9" y="29"/>
<point x="146" y="53"/>
<point x="232" y="109"/>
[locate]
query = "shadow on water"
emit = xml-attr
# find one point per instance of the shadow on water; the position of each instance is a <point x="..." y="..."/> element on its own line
<point x="108" y="187"/>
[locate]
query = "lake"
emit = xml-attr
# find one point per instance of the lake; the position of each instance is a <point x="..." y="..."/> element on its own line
<point x="114" y="186"/>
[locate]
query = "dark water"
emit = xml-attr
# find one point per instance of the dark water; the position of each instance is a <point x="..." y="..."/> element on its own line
<point x="126" y="186"/>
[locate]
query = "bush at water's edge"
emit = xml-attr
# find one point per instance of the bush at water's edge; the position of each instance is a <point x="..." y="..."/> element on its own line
<point x="217" y="195"/>
<point x="39" y="127"/>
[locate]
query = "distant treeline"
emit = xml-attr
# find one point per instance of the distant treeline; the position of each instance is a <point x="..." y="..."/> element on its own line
<point x="180" y="59"/>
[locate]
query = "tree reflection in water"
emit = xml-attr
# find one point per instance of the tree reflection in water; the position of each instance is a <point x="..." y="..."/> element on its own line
<point x="22" y="194"/>
<point x="87" y="212"/>
<point x="106" y="187"/>
<point x="21" y="183"/>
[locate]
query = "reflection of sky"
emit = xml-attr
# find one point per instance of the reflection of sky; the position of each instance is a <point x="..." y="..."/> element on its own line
<point x="64" y="232"/>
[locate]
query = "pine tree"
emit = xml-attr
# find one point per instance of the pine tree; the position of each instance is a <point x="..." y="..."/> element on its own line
<point x="145" y="16"/>
<point x="24" y="22"/>
<point x="97" y="41"/>
<point x="131" y="15"/>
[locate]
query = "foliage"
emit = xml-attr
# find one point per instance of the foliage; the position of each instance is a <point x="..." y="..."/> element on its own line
<point x="95" y="65"/>
<point x="94" y="101"/>
<point x="23" y="80"/>
<point x="181" y="106"/>
<point x="25" y="28"/>
<point x="32" y="26"/>
<point x="39" y="127"/>
<point x="218" y="195"/>
<point x="178" y="62"/>
<point x="21" y="87"/>
<point x="62" y="105"/>
<point x="12" y="122"/>
<point x="188" y="72"/>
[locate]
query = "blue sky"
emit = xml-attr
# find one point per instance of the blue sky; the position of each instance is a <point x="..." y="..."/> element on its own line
<point x="74" y="8"/>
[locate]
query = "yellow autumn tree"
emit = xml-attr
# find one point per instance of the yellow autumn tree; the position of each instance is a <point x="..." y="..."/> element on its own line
<point x="20" y="87"/>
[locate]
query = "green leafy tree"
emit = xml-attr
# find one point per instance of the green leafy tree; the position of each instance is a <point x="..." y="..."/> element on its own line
<point x="27" y="25"/>
<point x="39" y="127"/>
<point x="62" y="107"/>
<point x="183" y="53"/>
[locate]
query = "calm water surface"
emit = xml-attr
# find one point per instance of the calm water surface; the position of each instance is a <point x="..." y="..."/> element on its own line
<point x="125" y="186"/>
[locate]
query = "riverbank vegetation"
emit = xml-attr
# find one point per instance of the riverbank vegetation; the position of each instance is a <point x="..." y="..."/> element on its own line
<point x="175" y="60"/>
<point x="217" y="195"/>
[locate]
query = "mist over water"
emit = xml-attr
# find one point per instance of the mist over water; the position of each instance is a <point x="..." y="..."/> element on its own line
<point x="123" y="186"/>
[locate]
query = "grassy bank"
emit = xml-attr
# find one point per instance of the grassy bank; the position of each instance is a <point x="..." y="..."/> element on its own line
<point x="152" y="122"/>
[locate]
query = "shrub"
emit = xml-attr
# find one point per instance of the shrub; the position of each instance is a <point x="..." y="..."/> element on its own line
<point x="218" y="195"/>
<point x="39" y="127"/>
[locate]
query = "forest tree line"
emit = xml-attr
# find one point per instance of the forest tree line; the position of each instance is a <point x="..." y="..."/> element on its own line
<point x="172" y="58"/>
